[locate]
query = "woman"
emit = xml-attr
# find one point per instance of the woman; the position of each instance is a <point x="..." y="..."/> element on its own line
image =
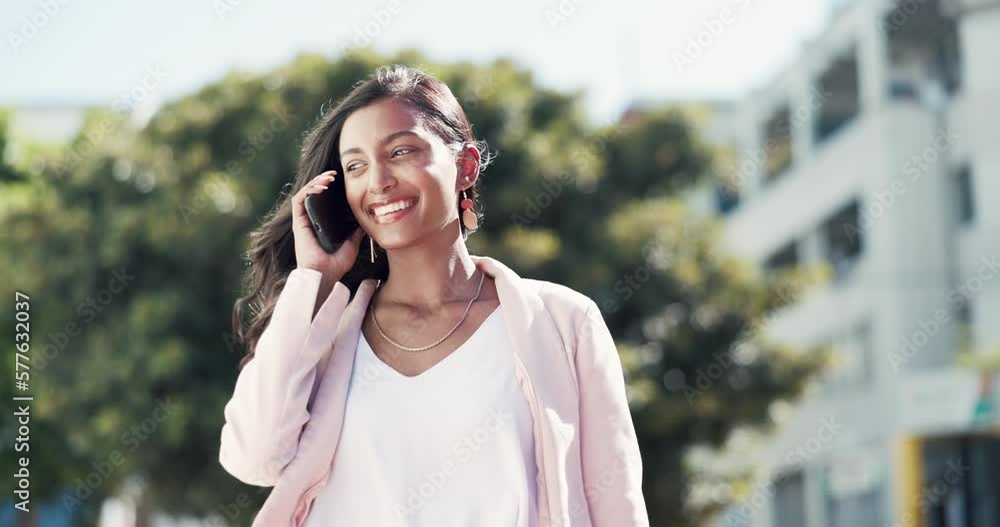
<point x="449" y="391"/>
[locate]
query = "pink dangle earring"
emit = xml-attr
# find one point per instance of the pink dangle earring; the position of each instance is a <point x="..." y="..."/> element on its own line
<point x="468" y="216"/>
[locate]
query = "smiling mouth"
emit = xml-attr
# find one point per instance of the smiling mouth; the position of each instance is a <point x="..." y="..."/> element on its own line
<point x="392" y="212"/>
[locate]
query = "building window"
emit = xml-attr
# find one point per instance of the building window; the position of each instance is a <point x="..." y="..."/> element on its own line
<point x="966" y="338"/>
<point x="778" y="137"/>
<point x="963" y="313"/>
<point x="726" y="198"/>
<point x="966" y="195"/>
<point x="790" y="502"/>
<point x="858" y="510"/>
<point x="842" y="98"/>
<point x="843" y="239"/>
<point x="962" y="473"/>
<point x="923" y="49"/>
<point x="855" y="487"/>
<point x="784" y="258"/>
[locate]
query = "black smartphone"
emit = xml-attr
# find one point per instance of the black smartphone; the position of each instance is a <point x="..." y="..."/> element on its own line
<point x="331" y="216"/>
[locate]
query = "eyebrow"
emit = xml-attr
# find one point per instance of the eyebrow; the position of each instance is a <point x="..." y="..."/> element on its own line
<point x="386" y="139"/>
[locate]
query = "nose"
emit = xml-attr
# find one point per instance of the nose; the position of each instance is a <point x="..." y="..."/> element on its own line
<point x="380" y="178"/>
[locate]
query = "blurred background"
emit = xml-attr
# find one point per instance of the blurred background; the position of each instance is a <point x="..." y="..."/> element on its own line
<point x="782" y="208"/>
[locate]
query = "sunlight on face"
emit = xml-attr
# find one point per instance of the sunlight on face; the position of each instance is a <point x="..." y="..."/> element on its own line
<point x="387" y="154"/>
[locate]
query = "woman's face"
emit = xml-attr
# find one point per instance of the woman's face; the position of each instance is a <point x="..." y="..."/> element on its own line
<point x="388" y="157"/>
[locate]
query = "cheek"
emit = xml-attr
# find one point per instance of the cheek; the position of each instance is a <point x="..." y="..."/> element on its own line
<point x="354" y="198"/>
<point x="437" y="174"/>
<point x="429" y="162"/>
<point x="434" y="190"/>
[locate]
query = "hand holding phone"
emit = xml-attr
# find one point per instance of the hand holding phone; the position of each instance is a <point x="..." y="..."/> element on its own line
<point x="325" y="240"/>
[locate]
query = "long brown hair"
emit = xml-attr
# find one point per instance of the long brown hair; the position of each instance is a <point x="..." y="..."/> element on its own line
<point x="272" y="248"/>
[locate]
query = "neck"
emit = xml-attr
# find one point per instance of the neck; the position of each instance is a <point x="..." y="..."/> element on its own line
<point x="429" y="275"/>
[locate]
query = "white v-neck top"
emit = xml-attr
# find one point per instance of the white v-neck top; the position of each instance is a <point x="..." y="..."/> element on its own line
<point x="449" y="447"/>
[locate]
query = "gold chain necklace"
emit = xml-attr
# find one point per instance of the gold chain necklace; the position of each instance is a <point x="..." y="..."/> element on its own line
<point x="442" y="339"/>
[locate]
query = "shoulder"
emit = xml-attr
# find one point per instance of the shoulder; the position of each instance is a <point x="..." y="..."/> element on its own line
<point x="556" y="294"/>
<point x="590" y="348"/>
<point x="565" y="304"/>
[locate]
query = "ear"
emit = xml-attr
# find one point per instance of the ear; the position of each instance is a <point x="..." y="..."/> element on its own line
<point x="467" y="161"/>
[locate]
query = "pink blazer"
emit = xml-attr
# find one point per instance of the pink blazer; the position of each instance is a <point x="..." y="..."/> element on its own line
<point x="283" y="421"/>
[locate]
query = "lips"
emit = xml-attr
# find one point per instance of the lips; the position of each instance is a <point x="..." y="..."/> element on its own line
<point x="389" y="211"/>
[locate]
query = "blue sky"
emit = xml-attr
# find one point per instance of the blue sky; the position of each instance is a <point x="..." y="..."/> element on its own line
<point x="92" y="52"/>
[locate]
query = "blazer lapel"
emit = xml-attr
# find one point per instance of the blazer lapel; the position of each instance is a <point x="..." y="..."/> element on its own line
<point x="539" y="348"/>
<point x="331" y="396"/>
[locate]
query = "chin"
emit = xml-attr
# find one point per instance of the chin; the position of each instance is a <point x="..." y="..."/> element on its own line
<point x="390" y="238"/>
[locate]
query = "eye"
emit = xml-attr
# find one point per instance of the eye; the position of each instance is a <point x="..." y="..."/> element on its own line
<point x="404" y="150"/>
<point x="350" y="167"/>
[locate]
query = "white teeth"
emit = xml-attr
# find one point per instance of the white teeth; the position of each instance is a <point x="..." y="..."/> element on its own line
<point x="393" y="207"/>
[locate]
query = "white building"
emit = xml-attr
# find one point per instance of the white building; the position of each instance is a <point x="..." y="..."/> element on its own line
<point x="878" y="151"/>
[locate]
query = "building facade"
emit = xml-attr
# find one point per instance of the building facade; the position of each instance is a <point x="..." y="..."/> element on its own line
<point x="878" y="153"/>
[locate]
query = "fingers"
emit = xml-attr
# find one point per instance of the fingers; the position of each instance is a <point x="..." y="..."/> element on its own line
<point x="314" y="186"/>
<point x="300" y="218"/>
<point x="319" y="183"/>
